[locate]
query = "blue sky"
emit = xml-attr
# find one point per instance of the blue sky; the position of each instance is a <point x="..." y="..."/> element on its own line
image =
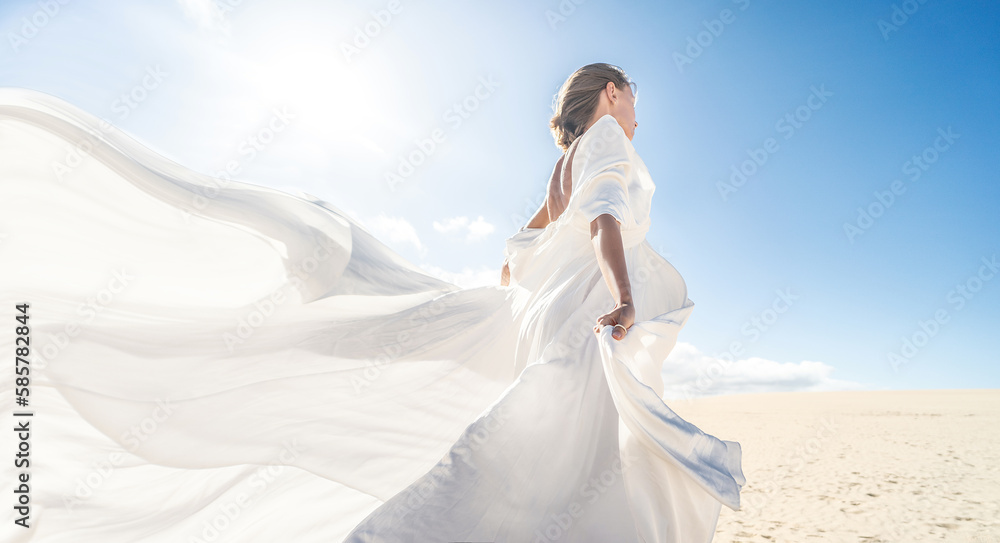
<point x="859" y="99"/>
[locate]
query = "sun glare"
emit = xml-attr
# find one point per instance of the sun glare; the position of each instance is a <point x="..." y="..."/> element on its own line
<point x="334" y="99"/>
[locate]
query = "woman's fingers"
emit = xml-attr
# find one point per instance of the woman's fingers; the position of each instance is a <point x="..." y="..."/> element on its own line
<point x="604" y="320"/>
<point x="623" y="315"/>
<point x="612" y="319"/>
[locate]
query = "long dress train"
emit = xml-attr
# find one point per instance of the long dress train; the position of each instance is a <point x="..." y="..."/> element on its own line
<point x="217" y="361"/>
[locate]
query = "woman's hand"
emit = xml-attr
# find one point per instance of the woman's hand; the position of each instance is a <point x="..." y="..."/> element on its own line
<point x="623" y="314"/>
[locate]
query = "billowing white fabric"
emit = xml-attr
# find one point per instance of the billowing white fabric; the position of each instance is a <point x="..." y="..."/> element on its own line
<point x="217" y="361"/>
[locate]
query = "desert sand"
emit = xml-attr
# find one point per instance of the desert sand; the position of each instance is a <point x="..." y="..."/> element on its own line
<point x="861" y="466"/>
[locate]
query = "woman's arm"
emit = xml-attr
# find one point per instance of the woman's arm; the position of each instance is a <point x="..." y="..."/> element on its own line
<point x="605" y="234"/>
<point x="555" y="200"/>
<point x="539" y="220"/>
<point x="543" y="216"/>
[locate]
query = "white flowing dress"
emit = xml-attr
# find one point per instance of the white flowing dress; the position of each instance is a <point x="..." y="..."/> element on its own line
<point x="217" y="361"/>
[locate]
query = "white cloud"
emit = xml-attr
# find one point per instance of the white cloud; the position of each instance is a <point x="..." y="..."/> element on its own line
<point x="394" y="231"/>
<point x="458" y="226"/>
<point x="689" y="373"/>
<point x="467" y="278"/>
<point x="206" y="14"/>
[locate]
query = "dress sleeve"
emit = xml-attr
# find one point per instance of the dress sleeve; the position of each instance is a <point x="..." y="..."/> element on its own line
<point x="606" y="193"/>
<point x="519" y="243"/>
<point x="605" y="168"/>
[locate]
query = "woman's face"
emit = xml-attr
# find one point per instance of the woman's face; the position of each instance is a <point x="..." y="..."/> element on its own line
<point x="623" y="109"/>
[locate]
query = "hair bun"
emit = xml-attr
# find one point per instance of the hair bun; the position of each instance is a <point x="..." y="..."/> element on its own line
<point x="578" y="98"/>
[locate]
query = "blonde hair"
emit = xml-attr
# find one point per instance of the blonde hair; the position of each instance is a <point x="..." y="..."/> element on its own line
<point x="577" y="100"/>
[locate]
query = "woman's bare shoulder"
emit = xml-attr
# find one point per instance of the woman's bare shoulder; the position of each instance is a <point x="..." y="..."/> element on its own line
<point x="561" y="183"/>
<point x="554" y="197"/>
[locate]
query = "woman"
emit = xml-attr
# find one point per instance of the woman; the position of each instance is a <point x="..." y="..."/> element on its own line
<point x="554" y="469"/>
<point x="581" y="103"/>
<point x="218" y="361"/>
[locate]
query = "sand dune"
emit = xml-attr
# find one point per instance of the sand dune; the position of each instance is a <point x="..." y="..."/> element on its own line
<point x="873" y="466"/>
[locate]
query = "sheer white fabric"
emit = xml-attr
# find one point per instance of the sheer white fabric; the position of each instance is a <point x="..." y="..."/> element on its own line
<point x="217" y="361"/>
